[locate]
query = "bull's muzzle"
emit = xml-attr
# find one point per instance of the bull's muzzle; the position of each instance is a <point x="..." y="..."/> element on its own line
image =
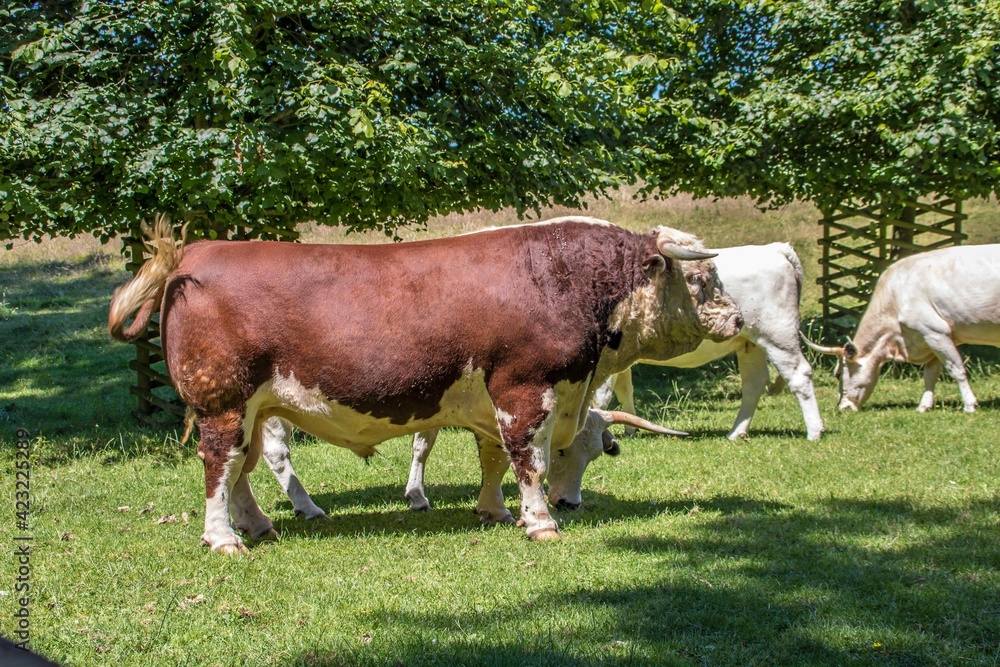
<point x="564" y="504"/>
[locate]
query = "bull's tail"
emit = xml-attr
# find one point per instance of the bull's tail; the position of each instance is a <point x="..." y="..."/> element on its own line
<point x="793" y="259"/>
<point x="142" y="294"/>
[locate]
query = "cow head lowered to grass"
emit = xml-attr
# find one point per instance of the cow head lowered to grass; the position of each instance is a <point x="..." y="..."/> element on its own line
<point x="506" y="332"/>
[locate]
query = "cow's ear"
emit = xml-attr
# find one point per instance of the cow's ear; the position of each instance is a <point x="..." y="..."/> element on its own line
<point x="850" y="351"/>
<point x="654" y="264"/>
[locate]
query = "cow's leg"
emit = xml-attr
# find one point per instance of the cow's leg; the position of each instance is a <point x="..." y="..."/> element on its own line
<point x="932" y="371"/>
<point x="944" y="349"/>
<point x="247" y="515"/>
<point x="275" y="433"/>
<point x="423" y="442"/>
<point x="526" y="426"/>
<point x="491" y="507"/>
<point x="222" y="451"/>
<point x="625" y="394"/>
<point x="795" y="371"/>
<point x="752" y="361"/>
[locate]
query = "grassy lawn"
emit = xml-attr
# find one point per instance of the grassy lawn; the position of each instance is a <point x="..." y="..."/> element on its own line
<point x="877" y="545"/>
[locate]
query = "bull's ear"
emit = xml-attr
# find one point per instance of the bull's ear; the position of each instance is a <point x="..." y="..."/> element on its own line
<point x="850" y="350"/>
<point x="654" y="264"/>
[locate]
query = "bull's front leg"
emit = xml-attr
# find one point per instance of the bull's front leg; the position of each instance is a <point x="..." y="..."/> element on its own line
<point x="222" y="451"/>
<point x="526" y="425"/>
<point x="932" y="371"/>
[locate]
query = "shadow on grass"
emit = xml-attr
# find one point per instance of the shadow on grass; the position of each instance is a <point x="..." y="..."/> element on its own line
<point x="831" y="584"/>
<point x="62" y="377"/>
<point x="453" y="511"/>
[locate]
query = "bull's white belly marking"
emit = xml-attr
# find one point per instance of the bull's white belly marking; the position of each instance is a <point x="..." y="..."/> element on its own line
<point x="466" y="403"/>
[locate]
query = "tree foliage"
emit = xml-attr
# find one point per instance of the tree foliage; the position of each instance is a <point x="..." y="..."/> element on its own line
<point x="267" y="113"/>
<point x="846" y="100"/>
<point x="262" y="114"/>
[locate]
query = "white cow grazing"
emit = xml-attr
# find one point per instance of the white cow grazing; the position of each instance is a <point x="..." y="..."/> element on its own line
<point x="922" y="307"/>
<point x="765" y="281"/>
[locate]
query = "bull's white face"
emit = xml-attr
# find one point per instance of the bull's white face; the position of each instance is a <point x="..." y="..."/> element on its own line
<point x="858" y="376"/>
<point x="717" y="313"/>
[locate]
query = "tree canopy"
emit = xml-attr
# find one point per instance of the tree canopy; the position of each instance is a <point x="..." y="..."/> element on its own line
<point x="837" y="101"/>
<point x="268" y="113"/>
<point x="262" y="114"/>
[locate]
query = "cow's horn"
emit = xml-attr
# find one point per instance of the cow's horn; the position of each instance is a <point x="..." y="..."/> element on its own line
<point x="838" y="351"/>
<point x="674" y="251"/>
<point x="616" y="417"/>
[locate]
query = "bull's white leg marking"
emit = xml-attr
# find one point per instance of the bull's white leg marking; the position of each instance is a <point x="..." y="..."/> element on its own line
<point x="491" y="507"/>
<point x="752" y="362"/>
<point x="423" y="442"/>
<point x="535" y="515"/>
<point x="275" y="433"/>
<point x="247" y="515"/>
<point x="932" y="371"/>
<point x="219" y="534"/>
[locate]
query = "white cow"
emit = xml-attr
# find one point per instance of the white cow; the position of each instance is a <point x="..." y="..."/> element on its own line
<point x="922" y="307"/>
<point x="765" y="281"/>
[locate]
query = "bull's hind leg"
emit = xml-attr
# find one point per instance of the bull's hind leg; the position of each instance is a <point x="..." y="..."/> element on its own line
<point x="222" y="451"/>
<point x="932" y="371"/>
<point x="423" y="442"/>
<point x="248" y="518"/>
<point x="275" y="433"/>
<point x="795" y="371"/>
<point x="491" y="507"/>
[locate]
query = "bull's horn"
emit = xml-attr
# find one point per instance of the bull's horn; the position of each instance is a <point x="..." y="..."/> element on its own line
<point x="838" y="351"/>
<point x="616" y="417"/>
<point x="674" y="251"/>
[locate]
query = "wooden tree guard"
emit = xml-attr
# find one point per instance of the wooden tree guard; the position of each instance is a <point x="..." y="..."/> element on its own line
<point x="153" y="388"/>
<point x="859" y="244"/>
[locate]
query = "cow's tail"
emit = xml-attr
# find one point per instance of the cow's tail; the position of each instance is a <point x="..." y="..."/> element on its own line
<point x="793" y="259"/>
<point x="141" y="295"/>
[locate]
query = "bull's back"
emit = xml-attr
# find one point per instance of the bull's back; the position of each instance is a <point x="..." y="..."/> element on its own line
<point x="958" y="285"/>
<point x="367" y="325"/>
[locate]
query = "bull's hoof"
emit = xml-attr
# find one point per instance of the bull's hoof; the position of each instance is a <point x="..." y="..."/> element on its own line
<point x="310" y="514"/>
<point x="269" y="534"/>
<point x="970" y="408"/>
<point x="419" y="504"/>
<point x="227" y="548"/>
<point x="564" y="504"/>
<point x="488" y="518"/>
<point x="544" y="535"/>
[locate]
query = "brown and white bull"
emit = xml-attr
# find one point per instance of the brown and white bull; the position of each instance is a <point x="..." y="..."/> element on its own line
<point x="506" y="332"/>
<point x="922" y="307"/>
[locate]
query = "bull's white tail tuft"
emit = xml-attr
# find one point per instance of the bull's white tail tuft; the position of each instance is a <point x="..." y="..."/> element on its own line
<point x="141" y="295"/>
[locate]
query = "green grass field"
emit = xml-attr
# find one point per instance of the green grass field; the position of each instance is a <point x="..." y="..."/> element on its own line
<point x="877" y="545"/>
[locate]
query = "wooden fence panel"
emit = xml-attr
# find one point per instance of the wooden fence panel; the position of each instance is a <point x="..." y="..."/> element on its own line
<point x="858" y="245"/>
